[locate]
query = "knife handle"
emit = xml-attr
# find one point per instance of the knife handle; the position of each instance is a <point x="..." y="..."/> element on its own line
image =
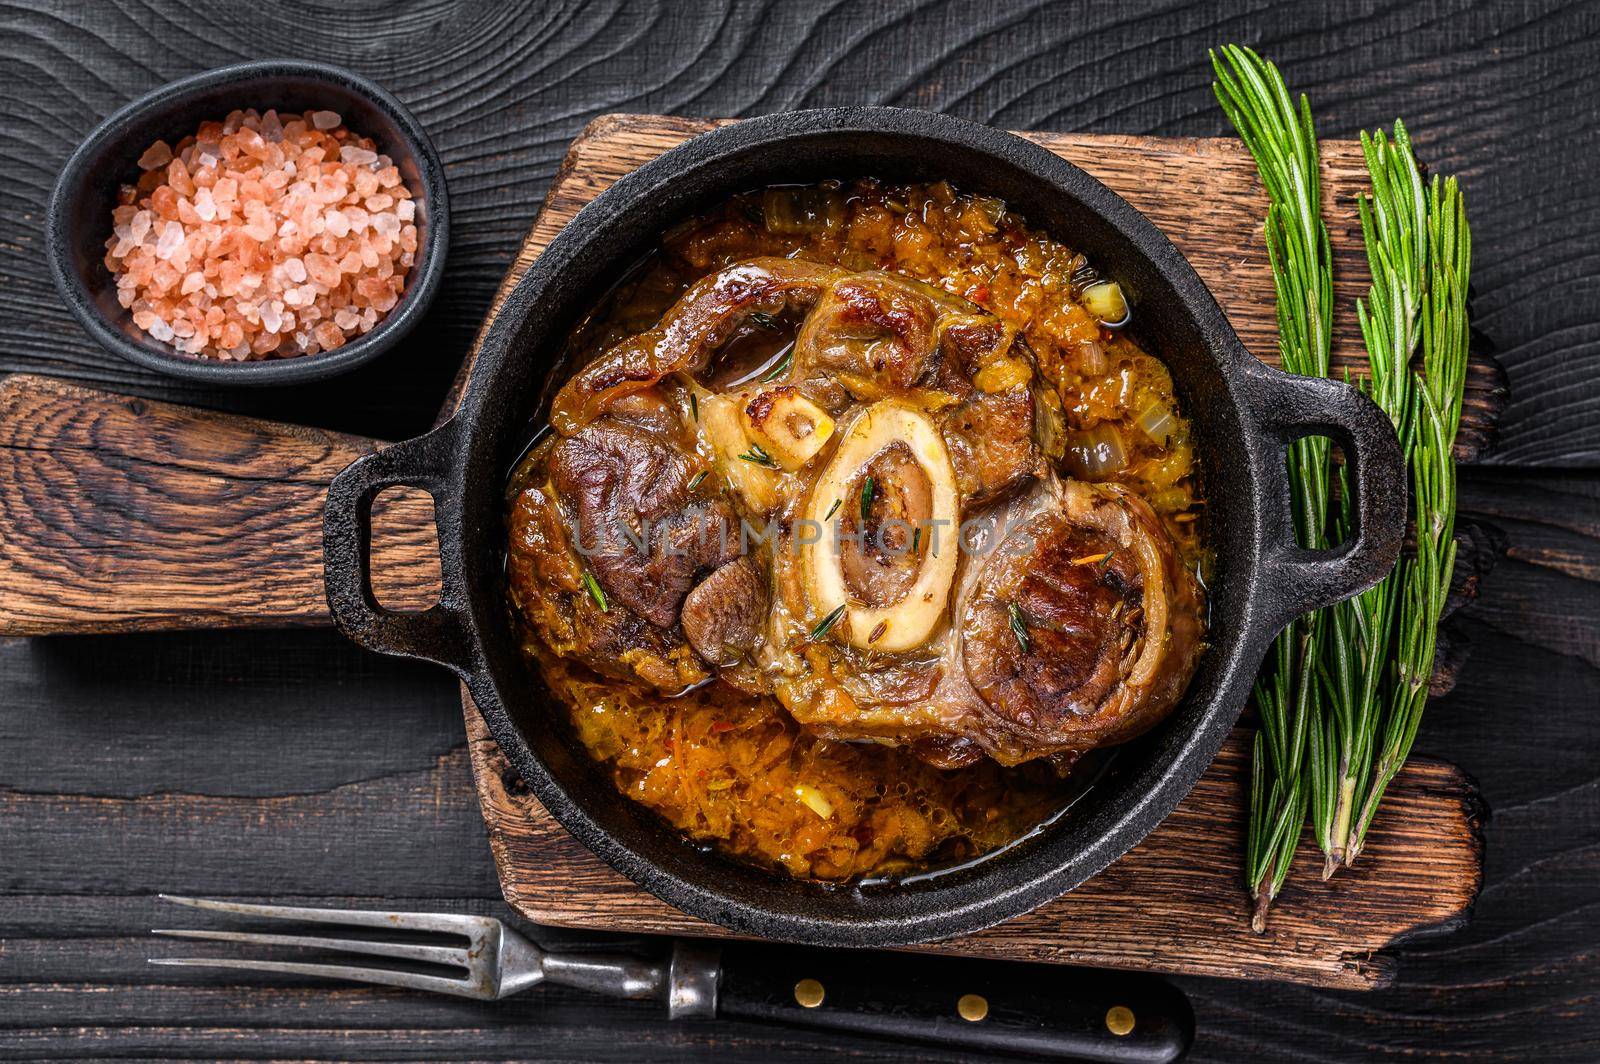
<point x="977" y="1006"/>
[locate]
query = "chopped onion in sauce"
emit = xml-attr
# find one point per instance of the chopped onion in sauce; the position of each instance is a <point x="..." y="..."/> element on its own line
<point x="795" y="210"/>
<point x="1106" y="302"/>
<point x="1156" y="422"/>
<point x="1097" y="452"/>
<point x="814" y="800"/>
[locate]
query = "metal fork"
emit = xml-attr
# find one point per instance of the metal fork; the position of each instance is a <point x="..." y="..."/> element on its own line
<point x="497" y="961"/>
<point x="960" y="1004"/>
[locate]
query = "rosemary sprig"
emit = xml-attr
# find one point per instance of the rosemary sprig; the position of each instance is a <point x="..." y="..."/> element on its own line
<point x="1424" y="578"/>
<point x="757" y="455"/>
<point x="1282" y="139"/>
<point x="868" y="489"/>
<point x="1394" y="228"/>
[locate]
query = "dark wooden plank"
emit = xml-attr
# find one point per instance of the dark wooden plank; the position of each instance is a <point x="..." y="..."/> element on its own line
<point x="517" y="86"/>
<point x="169" y="501"/>
<point x="1498" y="92"/>
<point x="1172" y="904"/>
<point x="299" y="719"/>
<point x="121" y="513"/>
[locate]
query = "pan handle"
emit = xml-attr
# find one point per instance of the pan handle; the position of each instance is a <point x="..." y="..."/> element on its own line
<point x="1285" y="407"/>
<point x="440" y="633"/>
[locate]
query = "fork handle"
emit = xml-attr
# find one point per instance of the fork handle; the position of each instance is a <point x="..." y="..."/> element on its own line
<point x="978" y="1006"/>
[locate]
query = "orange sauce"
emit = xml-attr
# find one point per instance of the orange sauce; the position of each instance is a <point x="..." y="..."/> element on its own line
<point x="734" y="771"/>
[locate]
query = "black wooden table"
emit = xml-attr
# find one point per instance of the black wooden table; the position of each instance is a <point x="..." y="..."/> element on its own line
<point x="292" y="765"/>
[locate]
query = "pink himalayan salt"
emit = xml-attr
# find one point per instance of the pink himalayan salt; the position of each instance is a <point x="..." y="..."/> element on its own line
<point x="263" y="236"/>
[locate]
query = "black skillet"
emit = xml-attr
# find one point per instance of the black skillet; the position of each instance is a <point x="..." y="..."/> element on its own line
<point x="1243" y="412"/>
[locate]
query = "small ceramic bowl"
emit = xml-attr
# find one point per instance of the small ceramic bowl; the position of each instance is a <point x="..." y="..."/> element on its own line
<point x="79" y="218"/>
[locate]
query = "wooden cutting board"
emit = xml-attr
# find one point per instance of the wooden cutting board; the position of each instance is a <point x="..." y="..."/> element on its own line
<point x="121" y="514"/>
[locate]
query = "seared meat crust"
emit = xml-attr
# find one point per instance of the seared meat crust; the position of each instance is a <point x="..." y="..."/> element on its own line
<point x="1055" y="619"/>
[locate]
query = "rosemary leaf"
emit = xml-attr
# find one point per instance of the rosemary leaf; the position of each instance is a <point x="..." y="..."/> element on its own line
<point x="781" y="368"/>
<point x="868" y="489"/>
<point x="1019" y="627"/>
<point x="824" y="625"/>
<point x="592" y="586"/>
<point x="757" y="455"/>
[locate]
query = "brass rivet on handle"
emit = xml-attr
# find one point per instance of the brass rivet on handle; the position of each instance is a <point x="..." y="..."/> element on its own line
<point x="973" y="1007"/>
<point x="809" y="993"/>
<point x="1119" y="1020"/>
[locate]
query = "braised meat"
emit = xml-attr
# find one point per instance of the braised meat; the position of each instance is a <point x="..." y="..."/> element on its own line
<point x="633" y="515"/>
<point x="874" y="531"/>
<point x="1080" y="628"/>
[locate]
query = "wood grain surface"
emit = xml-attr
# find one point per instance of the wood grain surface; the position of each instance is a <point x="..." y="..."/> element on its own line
<point x="193" y="521"/>
<point x="204" y="519"/>
<point x="1172" y="904"/>
<point x="120" y="513"/>
<point x="1161" y="906"/>
<point x="289" y="764"/>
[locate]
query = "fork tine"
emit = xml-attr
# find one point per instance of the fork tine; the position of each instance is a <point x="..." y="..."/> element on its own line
<point x="447" y="923"/>
<point x="397" y="950"/>
<point x="383" y="977"/>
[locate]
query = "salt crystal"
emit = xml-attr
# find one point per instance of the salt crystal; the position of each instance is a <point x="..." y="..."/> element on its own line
<point x="205" y="206"/>
<point x="171" y="240"/>
<point x="337" y="223"/>
<point x="406" y="210"/>
<point x="357" y="156"/>
<point x="271" y="127"/>
<point x="295" y="269"/>
<point x="387" y="225"/>
<point x="158" y="154"/>
<point x="325" y="119"/>
<point x="193" y="282"/>
<point x="271" y="316"/>
<point x="160" y="330"/>
<point x="346" y="318"/>
<point x="139" y="226"/>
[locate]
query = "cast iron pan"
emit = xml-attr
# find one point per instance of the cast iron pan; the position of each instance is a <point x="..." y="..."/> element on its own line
<point x="1243" y="412"/>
